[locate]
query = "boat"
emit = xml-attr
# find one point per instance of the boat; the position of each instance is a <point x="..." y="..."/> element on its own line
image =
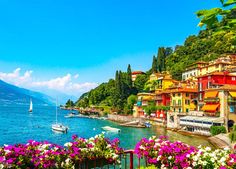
<point x="58" y="126"/>
<point x="147" y="124"/>
<point x="31" y="106"/>
<point x="71" y="114"/>
<point x="113" y="129"/>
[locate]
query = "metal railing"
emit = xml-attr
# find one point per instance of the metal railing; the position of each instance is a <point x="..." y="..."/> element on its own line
<point x="127" y="161"/>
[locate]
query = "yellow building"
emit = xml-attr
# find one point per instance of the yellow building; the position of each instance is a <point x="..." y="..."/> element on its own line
<point x="182" y="100"/>
<point x="155" y="76"/>
<point x="159" y="81"/>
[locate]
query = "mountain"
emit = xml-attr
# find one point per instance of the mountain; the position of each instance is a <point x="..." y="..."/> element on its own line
<point x="10" y="94"/>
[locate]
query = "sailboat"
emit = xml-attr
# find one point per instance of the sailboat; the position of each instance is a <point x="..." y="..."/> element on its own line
<point x="58" y="126"/>
<point x="31" y="106"/>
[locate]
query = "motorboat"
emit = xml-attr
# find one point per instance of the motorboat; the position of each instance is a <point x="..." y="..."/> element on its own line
<point x="113" y="129"/>
<point x="147" y="124"/>
<point x="71" y="114"/>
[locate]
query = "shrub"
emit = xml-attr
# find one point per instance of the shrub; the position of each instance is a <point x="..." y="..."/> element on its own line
<point x="217" y="130"/>
<point x="176" y="155"/>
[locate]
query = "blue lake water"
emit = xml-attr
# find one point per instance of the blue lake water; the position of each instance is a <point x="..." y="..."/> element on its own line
<point x="17" y="125"/>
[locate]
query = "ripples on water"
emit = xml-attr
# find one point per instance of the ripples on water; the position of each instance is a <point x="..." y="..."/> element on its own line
<point x="17" y="125"/>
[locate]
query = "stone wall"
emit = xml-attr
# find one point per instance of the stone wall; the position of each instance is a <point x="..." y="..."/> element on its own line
<point x="123" y="119"/>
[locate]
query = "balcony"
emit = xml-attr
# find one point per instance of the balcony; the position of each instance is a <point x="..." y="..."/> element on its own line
<point x="212" y="100"/>
<point x="158" y="98"/>
<point x="231" y="100"/>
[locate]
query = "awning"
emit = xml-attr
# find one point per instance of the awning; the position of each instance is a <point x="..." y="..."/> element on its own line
<point x="210" y="94"/>
<point x="210" y="107"/>
<point x="233" y="94"/>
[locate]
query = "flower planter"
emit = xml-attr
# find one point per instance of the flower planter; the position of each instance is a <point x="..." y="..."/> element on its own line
<point x="89" y="164"/>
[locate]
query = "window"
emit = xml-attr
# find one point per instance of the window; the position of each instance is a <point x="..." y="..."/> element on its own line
<point x="179" y="94"/>
<point x="200" y="96"/>
<point x="183" y="77"/>
<point x="179" y="102"/>
<point x="173" y="94"/>
<point x="209" y="85"/>
<point x="187" y="110"/>
<point x="194" y="73"/>
<point x="187" y="94"/>
<point x="174" y="103"/>
<point x="174" y="109"/>
<point x="187" y="102"/>
<point x="200" y="86"/>
<point x="233" y="78"/>
<point x="179" y="110"/>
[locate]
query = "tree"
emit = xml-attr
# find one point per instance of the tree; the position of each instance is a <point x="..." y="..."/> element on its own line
<point x="131" y="100"/>
<point x="140" y="82"/>
<point x="69" y="104"/>
<point x="150" y="85"/>
<point x="154" y="64"/>
<point x="129" y="77"/>
<point x="161" y="59"/>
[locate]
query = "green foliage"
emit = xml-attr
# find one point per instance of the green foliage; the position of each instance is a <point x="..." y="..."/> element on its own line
<point x="140" y="81"/>
<point x="218" y="37"/>
<point x="149" y="167"/>
<point x="154" y="64"/>
<point x="217" y="130"/>
<point x="151" y="108"/>
<point x="161" y="58"/>
<point x="69" y="103"/>
<point x="150" y="85"/>
<point x="232" y="134"/>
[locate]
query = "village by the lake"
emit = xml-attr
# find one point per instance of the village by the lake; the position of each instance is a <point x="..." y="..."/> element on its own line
<point x="118" y="84"/>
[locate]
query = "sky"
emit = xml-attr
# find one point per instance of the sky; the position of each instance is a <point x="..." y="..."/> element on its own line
<point x="71" y="46"/>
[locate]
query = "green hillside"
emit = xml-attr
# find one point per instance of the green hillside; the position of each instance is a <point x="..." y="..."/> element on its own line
<point x="218" y="36"/>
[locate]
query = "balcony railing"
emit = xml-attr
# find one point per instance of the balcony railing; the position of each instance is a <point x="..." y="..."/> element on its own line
<point x="128" y="161"/>
<point x="213" y="100"/>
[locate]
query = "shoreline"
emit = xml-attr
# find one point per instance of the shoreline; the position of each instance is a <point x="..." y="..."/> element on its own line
<point x="217" y="141"/>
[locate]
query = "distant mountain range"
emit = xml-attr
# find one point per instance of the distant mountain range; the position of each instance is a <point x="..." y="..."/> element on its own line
<point x="10" y="94"/>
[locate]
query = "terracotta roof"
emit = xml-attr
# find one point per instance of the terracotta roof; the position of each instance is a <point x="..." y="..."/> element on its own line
<point x="187" y="90"/>
<point x="224" y="87"/>
<point x="217" y="73"/>
<point x="137" y="72"/>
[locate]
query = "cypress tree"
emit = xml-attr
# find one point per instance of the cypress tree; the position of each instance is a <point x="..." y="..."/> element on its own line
<point x="161" y="59"/>
<point x="129" y="77"/>
<point x="154" y="64"/>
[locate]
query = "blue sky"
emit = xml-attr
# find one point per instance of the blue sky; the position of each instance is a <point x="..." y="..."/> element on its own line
<point x="50" y="39"/>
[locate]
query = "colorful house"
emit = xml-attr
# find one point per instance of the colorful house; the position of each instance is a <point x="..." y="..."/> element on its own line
<point x="162" y="99"/>
<point x="213" y="80"/>
<point x="218" y="65"/>
<point x="192" y="71"/>
<point x="182" y="99"/>
<point x="143" y="100"/>
<point x="221" y="102"/>
<point x="164" y="82"/>
<point x="135" y="74"/>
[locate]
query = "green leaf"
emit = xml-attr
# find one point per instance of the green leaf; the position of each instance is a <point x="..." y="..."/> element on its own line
<point x="229" y="2"/>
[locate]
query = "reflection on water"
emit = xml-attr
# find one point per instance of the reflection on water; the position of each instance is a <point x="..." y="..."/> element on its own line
<point x="19" y="126"/>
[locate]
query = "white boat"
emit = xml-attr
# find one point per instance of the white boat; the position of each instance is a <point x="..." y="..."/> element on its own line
<point x="31" y="106"/>
<point x="113" y="129"/>
<point x="58" y="126"/>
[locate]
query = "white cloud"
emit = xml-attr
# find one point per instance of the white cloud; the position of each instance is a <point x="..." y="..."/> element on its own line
<point x="64" y="84"/>
<point x="76" y="76"/>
